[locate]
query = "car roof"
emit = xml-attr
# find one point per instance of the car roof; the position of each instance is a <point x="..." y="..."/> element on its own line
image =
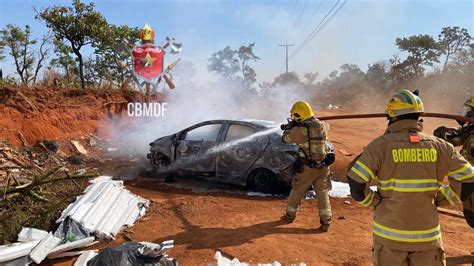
<point x="255" y="122"/>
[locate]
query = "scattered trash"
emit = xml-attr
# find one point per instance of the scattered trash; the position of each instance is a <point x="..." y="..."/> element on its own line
<point x="85" y="257"/>
<point x="310" y="195"/>
<point x="8" y="253"/>
<point x="68" y="254"/>
<point x="345" y="153"/>
<point x="78" y="146"/>
<point x="332" y="107"/>
<point x="105" y="209"/>
<point x="347" y="202"/>
<point x="342" y="218"/>
<point x="49" y="145"/>
<point x="223" y="261"/>
<point x="40" y="251"/>
<point x="71" y="245"/>
<point x="135" y="253"/>
<point x="92" y="142"/>
<point x="28" y="234"/>
<point x="339" y="190"/>
<point x="75" y="159"/>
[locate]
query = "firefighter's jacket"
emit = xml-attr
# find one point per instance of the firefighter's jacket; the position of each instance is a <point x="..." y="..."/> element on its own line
<point x="462" y="136"/>
<point x="310" y="136"/>
<point x="408" y="167"/>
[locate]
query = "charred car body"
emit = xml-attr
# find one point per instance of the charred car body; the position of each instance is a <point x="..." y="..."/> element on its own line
<point x="243" y="152"/>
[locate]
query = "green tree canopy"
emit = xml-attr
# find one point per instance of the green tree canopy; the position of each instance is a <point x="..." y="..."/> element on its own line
<point x="19" y="43"/>
<point x="422" y="50"/>
<point x="452" y="40"/>
<point x="80" y="25"/>
<point x="233" y="65"/>
<point x="113" y="57"/>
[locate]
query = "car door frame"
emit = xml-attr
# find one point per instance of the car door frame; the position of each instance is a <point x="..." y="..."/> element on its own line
<point x="240" y="177"/>
<point x="181" y="138"/>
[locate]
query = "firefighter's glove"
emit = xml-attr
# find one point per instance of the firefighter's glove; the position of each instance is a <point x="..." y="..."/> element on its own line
<point x="329" y="159"/>
<point x="440" y="132"/>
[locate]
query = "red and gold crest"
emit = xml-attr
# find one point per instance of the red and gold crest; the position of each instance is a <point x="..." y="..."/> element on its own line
<point x="148" y="61"/>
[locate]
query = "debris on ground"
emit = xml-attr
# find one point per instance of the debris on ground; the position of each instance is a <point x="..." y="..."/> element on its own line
<point x="339" y="190"/>
<point x="49" y="145"/>
<point x="223" y="261"/>
<point x="36" y="186"/>
<point x="135" y="253"/>
<point x="79" y="148"/>
<point x="85" y="257"/>
<point x="105" y="209"/>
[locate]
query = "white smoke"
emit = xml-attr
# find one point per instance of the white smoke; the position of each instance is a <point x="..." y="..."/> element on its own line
<point x="189" y="104"/>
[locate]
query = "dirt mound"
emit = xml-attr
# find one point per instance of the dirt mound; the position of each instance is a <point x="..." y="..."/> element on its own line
<point x="37" y="113"/>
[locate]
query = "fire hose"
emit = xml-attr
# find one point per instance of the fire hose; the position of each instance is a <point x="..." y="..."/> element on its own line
<point x="377" y="115"/>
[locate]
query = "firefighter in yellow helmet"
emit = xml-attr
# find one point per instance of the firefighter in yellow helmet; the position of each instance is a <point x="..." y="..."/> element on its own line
<point x="463" y="136"/>
<point x="315" y="156"/>
<point x="408" y="167"/>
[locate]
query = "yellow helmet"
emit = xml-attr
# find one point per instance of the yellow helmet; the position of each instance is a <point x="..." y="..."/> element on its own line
<point x="147" y="33"/>
<point x="469" y="103"/>
<point x="404" y="102"/>
<point x="301" y="111"/>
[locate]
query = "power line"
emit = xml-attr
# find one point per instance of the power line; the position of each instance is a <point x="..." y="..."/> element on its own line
<point x="286" y="46"/>
<point x="300" y="15"/>
<point x="300" y="47"/>
<point x="319" y="27"/>
<point x="315" y="12"/>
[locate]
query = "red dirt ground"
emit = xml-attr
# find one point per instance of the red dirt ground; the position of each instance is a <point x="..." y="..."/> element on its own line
<point x="244" y="227"/>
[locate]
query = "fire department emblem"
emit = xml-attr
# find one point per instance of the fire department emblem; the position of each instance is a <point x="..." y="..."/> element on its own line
<point x="148" y="62"/>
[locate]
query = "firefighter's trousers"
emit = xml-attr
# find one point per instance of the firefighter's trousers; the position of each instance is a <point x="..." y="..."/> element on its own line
<point x="319" y="178"/>
<point x="383" y="256"/>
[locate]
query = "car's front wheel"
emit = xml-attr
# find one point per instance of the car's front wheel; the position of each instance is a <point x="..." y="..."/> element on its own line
<point x="263" y="180"/>
<point x="159" y="162"/>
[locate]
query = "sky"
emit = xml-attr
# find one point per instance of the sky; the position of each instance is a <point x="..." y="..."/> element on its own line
<point x="362" y="32"/>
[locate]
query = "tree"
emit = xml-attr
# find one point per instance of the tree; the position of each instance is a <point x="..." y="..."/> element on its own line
<point x="183" y="74"/>
<point x="64" y="60"/>
<point x="43" y="52"/>
<point x="19" y="43"/>
<point x="451" y="40"/>
<point x="233" y="65"/>
<point x="79" y="24"/>
<point x="287" y="79"/>
<point x="310" y="77"/>
<point x="113" y="54"/>
<point x="2" y="49"/>
<point x="422" y="50"/>
<point x="377" y="74"/>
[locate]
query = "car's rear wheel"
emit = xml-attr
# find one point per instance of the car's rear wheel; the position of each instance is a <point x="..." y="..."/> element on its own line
<point x="263" y="180"/>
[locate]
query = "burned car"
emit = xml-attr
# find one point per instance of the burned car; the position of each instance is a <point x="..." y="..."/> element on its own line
<point x="244" y="152"/>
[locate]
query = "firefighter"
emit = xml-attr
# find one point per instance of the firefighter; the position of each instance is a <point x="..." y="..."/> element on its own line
<point x="310" y="134"/>
<point x="408" y="167"/>
<point x="463" y="136"/>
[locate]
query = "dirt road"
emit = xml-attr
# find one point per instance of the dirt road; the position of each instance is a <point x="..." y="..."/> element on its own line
<point x="249" y="229"/>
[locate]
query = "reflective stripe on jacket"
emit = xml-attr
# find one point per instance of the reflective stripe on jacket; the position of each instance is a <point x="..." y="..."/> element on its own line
<point x="408" y="168"/>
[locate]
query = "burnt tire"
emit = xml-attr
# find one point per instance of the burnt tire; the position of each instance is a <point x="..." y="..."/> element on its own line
<point x="158" y="162"/>
<point x="263" y="180"/>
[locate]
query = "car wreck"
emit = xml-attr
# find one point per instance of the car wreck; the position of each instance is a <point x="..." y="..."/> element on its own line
<point x="243" y="152"/>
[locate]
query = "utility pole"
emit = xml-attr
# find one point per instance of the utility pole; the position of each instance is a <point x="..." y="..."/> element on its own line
<point x="286" y="46"/>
